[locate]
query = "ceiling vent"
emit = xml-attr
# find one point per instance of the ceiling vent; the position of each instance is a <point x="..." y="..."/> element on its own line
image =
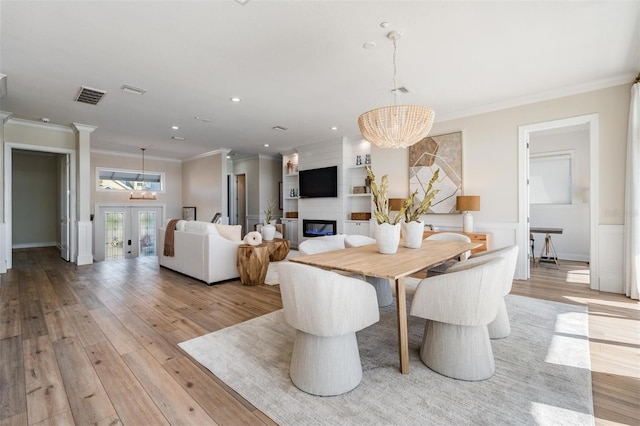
<point x="90" y="96"/>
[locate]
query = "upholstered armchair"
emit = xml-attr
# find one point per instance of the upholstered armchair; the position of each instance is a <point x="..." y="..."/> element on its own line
<point x="326" y="309"/>
<point x="458" y="306"/>
<point x="382" y="285"/>
<point x="500" y="327"/>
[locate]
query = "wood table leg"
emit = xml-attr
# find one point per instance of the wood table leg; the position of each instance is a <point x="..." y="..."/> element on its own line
<point x="403" y="332"/>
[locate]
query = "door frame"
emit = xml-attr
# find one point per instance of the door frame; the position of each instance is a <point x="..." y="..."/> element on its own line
<point x="8" y="196"/>
<point x="592" y="121"/>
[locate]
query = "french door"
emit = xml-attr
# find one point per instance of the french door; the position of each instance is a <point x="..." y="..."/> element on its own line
<point x="124" y="232"/>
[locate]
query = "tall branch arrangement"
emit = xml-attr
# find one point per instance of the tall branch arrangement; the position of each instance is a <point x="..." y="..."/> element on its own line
<point x="413" y="214"/>
<point x="381" y="200"/>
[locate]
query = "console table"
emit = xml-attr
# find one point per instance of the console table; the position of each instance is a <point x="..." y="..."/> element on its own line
<point x="484" y="238"/>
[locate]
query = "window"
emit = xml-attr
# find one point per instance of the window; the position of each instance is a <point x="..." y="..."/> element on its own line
<point x="128" y="180"/>
<point x="551" y="178"/>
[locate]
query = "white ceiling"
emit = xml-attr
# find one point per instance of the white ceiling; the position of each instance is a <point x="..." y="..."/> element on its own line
<point x="296" y="64"/>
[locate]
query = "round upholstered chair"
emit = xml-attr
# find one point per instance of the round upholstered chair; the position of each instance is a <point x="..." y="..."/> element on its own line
<point x="326" y="309"/>
<point x="321" y="244"/>
<point x="382" y="285"/>
<point x="500" y="327"/>
<point x="447" y="236"/>
<point x="458" y="306"/>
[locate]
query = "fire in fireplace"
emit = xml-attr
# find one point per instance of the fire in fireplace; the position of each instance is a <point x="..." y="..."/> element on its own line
<point x="318" y="228"/>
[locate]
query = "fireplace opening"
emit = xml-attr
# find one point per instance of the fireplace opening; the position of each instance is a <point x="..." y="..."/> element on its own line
<point x="318" y="228"/>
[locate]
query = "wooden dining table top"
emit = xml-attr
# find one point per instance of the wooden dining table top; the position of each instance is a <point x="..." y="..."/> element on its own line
<point x="366" y="260"/>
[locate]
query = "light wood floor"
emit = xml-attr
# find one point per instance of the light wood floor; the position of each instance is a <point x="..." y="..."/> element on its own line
<point x="97" y="344"/>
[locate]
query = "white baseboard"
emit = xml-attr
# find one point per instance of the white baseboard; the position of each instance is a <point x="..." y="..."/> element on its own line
<point x="35" y="245"/>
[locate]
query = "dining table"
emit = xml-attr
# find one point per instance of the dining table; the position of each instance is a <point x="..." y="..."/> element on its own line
<point x="365" y="260"/>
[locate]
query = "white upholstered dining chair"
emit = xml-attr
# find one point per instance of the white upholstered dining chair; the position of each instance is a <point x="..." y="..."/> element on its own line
<point x="500" y="327"/>
<point x="448" y="236"/>
<point x="458" y="306"/>
<point x="326" y="309"/>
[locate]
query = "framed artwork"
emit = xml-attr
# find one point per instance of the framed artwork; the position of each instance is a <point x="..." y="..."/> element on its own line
<point x="442" y="152"/>
<point x="189" y="213"/>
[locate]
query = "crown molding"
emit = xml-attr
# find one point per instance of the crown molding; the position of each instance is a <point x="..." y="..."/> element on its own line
<point x="131" y="155"/>
<point x="222" y="151"/>
<point x="4" y="116"/>
<point x="39" y="125"/>
<point x="620" y="80"/>
<point x="83" y="127"/>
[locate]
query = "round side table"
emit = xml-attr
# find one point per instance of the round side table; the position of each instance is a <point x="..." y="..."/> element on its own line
<point x="253" y="262"/>
<point x="278" y="249"/>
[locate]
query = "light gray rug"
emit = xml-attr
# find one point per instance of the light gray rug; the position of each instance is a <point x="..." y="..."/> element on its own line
<point x="542" y="373"/>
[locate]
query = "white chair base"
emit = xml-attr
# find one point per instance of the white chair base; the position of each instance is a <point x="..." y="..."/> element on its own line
<point x="459" y="352"/>
<point x="325" y="366"/>
<point x="383" y="290"/>
<point x="500" y="327"/>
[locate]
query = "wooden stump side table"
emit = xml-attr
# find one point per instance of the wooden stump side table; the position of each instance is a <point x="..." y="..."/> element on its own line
<point x="278" y="249"/>
<point x="253" y="262"/>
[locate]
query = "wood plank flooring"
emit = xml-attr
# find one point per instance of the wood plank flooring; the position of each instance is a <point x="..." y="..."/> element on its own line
<point x="97" y="344"/>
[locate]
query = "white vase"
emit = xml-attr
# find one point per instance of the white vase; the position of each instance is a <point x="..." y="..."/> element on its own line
<point x="388" y="238"/>
<point x="268" y="232"/>
<point x="412" y="234"/>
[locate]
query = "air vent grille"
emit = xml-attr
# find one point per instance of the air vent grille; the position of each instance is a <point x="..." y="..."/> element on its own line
<point x="90" y="96"/>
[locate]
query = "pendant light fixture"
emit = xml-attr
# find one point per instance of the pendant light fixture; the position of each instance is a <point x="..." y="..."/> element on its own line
<point x="142" y="194"/>
<point x="396" y="126"/>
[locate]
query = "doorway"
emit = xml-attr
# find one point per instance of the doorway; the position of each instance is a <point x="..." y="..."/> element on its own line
<point x="241" y="202"/>
<point x="60" y="213"/>
<point x="124" y="232"/>
<point x="588" y="194"/>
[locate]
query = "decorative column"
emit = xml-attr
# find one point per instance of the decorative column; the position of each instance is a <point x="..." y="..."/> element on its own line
<point x="83" y="191"/>
<point x="4" y="244"/>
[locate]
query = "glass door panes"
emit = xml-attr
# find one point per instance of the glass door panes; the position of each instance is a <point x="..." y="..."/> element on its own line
<point x="114" y="233"/>
<point x="147" y="232"/>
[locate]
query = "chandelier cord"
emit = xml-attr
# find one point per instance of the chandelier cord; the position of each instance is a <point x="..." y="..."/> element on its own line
<point x="395" y="72"/>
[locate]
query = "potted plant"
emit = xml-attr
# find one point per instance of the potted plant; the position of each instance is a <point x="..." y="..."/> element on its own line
<point x="413" y="227"/>
<point x="268" y="228"/>
<point x="387" y="231"/>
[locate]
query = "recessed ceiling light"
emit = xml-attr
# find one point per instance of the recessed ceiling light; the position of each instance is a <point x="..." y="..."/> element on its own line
<point x="384" y="24"/>
<point x="334" y="128"/>
<point x="175" y="127"/>
<point x="369" y="45"/>
<point x="235" y="99"/>
<point x="279" y="128"/>
<point x="177" y="138"/>
<point x="266" y="145"/>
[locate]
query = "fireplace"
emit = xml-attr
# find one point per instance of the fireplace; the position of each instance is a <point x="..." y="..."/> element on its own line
<point x="318" y="228"/>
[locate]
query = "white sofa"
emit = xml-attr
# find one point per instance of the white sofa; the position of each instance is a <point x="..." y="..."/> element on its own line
<point x="202" y="250"/>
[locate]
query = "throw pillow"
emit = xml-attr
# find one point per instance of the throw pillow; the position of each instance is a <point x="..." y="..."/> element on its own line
<point x="230" y="232"/>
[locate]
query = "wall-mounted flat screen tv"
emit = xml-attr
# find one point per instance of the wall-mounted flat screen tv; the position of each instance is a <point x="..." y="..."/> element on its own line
<point x="315" y="183"/>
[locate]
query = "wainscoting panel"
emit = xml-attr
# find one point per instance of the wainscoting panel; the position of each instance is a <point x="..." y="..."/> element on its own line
<point x="610" y="252"/>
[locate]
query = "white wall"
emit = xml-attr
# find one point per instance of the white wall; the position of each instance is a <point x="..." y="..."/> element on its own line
<point x="204" y="185"/>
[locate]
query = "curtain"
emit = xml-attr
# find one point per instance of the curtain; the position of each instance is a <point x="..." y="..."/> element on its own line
<point x="632" y="199"/>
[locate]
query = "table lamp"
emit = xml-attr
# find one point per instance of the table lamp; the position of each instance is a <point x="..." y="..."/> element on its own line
<point x="466" y="204"/>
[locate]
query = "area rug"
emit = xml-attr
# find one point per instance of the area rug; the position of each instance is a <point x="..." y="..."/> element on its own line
<point x="542" y="373"/>
<point x="272" y="277"/>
